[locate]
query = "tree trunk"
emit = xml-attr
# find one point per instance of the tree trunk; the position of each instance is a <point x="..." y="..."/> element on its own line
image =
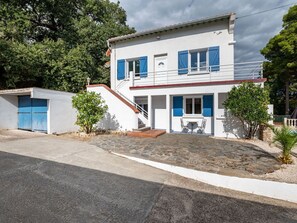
<point x="287" y="98"/>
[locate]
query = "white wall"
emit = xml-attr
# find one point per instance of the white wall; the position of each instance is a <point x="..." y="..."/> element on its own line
<point x="159" y="115"/>
<point x="170" y="43"/>
<point x="119" y="115"/>
<point x="61" y="115"/>
<point x="8" y="112"/>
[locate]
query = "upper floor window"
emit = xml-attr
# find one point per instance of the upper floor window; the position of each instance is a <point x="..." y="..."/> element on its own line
<point x="134" y="66"/>
<point x="199" y="61"/>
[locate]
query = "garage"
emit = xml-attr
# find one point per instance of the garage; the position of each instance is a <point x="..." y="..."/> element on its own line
<point x="37" y="109"/>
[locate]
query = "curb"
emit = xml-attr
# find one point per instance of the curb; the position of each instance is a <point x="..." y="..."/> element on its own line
<point x="272" y="189"/>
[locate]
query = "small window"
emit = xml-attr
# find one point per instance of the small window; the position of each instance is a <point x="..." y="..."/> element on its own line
<point x="198" y="60"/>
<point x="134" y="66"/>
<point x="221" y="99"/>
<point x="193" y="106"/>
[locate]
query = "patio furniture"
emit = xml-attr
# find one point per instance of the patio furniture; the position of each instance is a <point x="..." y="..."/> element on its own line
<point x="184" y="127"/>
<point x="201" y="128"/>
<point x="192" y="123"/>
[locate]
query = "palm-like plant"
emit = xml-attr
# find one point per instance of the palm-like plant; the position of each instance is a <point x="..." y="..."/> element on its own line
<point x="287" y="139"/>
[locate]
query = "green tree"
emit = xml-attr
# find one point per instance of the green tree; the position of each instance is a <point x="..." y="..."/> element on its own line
<point x="57" y="44"/>
<point x="281" y="51"/>
<point x="249" y="103"/>
<point x="90" y="109"/>
<point x="287" y="139"/>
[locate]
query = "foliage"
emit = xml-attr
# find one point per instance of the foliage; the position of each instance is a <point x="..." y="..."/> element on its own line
<point x="57" y="44"/>
<point x="281" y="70"/>
<point x="91" y="109"/>
<point x="287" y="139"/>
<point x="249" y="103"/>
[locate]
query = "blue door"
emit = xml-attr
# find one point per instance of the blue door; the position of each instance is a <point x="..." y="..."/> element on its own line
<point x="32" y="114"/>
<point x="25" y="113"/>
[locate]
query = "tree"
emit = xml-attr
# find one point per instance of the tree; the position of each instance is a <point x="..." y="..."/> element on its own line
<point x="90" y="109"/>
<point x="57" y="44"/>
<point x="249" y="103"/>
<point x="287" y="138"/>
<point x="281" y="51"/>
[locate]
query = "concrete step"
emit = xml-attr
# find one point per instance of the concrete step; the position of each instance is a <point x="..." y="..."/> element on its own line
<point x="142" y="129"/>
<point x="152" y="133"/>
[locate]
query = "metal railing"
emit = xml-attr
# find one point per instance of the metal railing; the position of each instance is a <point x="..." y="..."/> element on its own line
<point x="238" y="71"/>
<point x="139" y="108"/>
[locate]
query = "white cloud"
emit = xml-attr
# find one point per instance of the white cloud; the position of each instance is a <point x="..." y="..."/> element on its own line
<point x="251" y="33"/>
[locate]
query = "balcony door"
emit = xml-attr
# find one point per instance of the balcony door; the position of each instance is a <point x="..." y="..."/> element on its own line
<point x="161" y="69"/>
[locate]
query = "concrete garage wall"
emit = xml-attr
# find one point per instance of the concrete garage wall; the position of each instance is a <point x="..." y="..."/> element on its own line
<point x="61" y="115"/>
<point x="8" y="112"/>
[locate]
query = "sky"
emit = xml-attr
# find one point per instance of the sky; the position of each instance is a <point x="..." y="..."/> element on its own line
<point x="251" y="33"/>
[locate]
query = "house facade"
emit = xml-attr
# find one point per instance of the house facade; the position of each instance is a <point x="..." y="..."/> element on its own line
<point x="178" y="77"/>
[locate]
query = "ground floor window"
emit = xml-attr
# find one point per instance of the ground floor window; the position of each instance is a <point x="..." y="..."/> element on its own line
<point x="193" y="105"/>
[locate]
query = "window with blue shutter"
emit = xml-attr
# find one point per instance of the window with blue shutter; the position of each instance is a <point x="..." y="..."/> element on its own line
<point x="183" y="62"/>
<point x="121" y="69"/>
<point x="214" y="58"/>
<point x="177" y="106"/>
<point x="143" y="66"/>
<point x="207" y="105"/>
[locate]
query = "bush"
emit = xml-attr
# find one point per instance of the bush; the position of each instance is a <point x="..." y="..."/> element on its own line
<point x="287" y="140"/>
<point x="249" y="103"/>
<point x="90" y="109"/>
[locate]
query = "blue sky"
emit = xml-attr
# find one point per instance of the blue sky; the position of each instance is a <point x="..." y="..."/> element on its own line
<point x="251" y="33"/>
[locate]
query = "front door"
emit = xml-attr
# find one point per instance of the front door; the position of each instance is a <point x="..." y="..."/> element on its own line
<point x="161" y="70"/>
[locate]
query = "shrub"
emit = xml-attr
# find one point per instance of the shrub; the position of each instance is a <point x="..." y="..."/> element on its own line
<point x="287" y="140"/>
<point x="90" y="109"/>
<point x="249" y="103"/>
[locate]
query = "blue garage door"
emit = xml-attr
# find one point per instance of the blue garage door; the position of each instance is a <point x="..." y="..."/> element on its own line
<point x="32" y="114"/>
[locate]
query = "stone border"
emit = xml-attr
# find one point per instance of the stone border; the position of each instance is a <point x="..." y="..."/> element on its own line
<point x="272" y="189"/>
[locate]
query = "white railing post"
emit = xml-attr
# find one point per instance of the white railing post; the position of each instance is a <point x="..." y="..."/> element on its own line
<point x="285" y="121"/>
<point x="131" y="75"/>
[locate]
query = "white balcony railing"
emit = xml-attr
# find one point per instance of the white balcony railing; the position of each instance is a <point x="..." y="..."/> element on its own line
<point x="239" y="71"/>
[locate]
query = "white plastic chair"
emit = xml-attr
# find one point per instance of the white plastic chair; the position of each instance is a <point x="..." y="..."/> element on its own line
<point x="201" y="128"/>
<point x="184" y="127"/>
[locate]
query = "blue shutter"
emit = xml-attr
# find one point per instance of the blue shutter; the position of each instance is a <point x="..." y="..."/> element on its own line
<point x="214" y="58"/>
<point x="183" y="62"/>
<point x="177" y="105"/>
<point x="207" y="105"/>
<point x="121" y="70"/>
<point x="143" y="66"/>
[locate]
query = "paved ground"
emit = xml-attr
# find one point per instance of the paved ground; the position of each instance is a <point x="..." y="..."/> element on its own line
<point x="196" y="152"/>
<point x="51" y="179"/>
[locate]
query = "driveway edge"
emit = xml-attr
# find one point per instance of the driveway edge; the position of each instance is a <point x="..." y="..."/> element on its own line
<point x="272" y="189"/>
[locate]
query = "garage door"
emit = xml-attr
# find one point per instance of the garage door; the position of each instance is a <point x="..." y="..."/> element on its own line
<point x="32" y="114"/>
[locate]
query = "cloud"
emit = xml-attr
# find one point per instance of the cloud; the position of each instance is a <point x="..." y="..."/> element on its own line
<point x="251" y="33"/>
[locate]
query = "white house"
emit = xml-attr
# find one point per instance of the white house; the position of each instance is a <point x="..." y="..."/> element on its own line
<point x="177" y="77"/>
<point x="37" y="109"/>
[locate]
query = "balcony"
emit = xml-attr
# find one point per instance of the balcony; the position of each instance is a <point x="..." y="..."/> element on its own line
<point x="239" y="71"/>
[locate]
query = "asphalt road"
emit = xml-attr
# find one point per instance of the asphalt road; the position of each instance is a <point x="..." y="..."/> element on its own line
<point x="37" y="190"/>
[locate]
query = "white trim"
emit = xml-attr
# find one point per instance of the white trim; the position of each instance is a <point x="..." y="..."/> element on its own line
<point x="193" y="105"/>
<point x="272" y="189"/>
<point x="198" y="71"/>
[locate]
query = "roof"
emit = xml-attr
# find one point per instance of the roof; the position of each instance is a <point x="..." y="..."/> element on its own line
<point x="230" y="16"/>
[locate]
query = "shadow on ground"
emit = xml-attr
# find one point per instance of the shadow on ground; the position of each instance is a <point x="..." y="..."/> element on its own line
<point x="36" y="190"/>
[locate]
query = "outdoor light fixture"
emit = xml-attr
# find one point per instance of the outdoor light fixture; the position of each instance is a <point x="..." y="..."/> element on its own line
<point x="88" y="80"/>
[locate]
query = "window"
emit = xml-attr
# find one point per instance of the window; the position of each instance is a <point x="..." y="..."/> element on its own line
<point x="198" y="60"/>
<point x="193" y="106"/>
<point x="134" y="66"/>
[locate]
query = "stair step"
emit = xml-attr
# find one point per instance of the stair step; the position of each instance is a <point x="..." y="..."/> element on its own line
<point x="142" y="129"/>
<point x="153" y="133"/>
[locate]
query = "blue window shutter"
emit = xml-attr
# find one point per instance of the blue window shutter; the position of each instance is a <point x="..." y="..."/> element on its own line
<point x="177" y="105"/>
<point x="214" y="58"/>
<point x="207" y="105"/>
<point x="121" y="70"/>
<point x="143" y="66"/>
<point x="183" y="62"/>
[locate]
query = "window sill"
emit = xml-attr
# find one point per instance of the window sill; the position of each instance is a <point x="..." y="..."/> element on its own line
<point x="198" y="73"/>
<point x="193" y="116"/>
